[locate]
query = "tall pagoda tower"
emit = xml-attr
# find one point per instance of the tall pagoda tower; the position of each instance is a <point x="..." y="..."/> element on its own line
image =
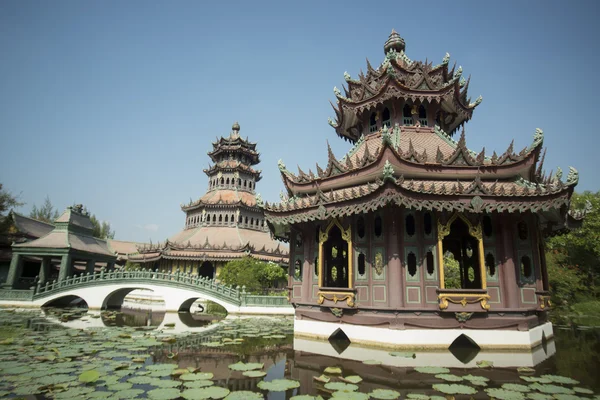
<point x="225" y="223"/>
<point x="411" y="230"/>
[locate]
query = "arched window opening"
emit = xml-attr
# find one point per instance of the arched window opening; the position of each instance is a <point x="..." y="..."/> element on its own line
<point x="410" y="225"/>
<point x="220" y="218"/>
<point x="214" y="217"/>
<point x="317" y="265"/>
<point x="222" y="181"/>
<point x="461" y="258"/>
<point x="427" y="223"/>
<point x="526" y="268"/>
<point x="386" y="118"/>
<point x="407" y="115"/>
<point x="227" y="181"/>
<point x="206" y="270"/>
<point x="378" y="226"/>
<point x="360" y="227"/>
<point x="422" y="115"/>
<point x="226" y="218"/>
<point x="240" y="219"/>
<point x="246" y="221"/>
<point x="373" y="122"/>
<point x="488" y="229"/>
<point x="251" y="221"/>
<point x="430" y="263"/>
<point x="411" y="260"/>
<point x="523" y="231"/>
<point x="490" y="264"/>
<point x="336" y="259"/>
<point x="297" y="269"/>
<point x="245" y="182"/>
<point x="361" y="264"/>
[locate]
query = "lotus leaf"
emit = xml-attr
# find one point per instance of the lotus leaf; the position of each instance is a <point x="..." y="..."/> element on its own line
<point x="485" y="364"/>
<point x="475" y="378"/>
<point x="454" y="388"/>
<point x="164" y="383"/>
<point x="212" y="392"/>
<point x="161" y="373"/>
<point x="322" y="378"/>
<point x="352" y="379"/>
<point x="567" y="397"/>
<point x="117" y="387"/>
<point x="278" y="385"/>
<point x="333" y="370"/>
<point x="247" y="395"/>
<point x="583" y="390"/>
<point x="515" y="387"/>
<point x="402" y="354"/>
<point x="551" y="389"/>
<point x="240" y="366"/>
<point x="56" y="379"/>
<point x="99" y="395"/>
<point x="539" y="396"/>
<point x="254" y="374"/>
<point x="349" y="396"/>
<point x="417" y="396"/>
<point x="201" y="376"/>
<point x="89" y="376"/>
<point x="26" y="390"/>
<point x="160" y="367"/>
<point x="140" y="380"/>
<point x="561" y="379"/>
<point x="74" y="392"/>
<point x="128" y="393"/>
<point x="432" y="370"/>
<point x="341" y="387"/>
<point x="384" y="394"/>
<point x="197" y="384"/>
<point x="532" y="379"/>
<point x="503" y="394"/>
<point x="372" y="362"/>
<point x="525" y="370"/>
<point x="449" y="377"/>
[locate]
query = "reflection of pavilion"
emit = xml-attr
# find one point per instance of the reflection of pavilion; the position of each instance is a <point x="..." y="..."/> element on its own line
<point x="411" y="238"/>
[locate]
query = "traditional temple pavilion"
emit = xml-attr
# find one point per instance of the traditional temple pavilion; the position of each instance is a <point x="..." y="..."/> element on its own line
<point x="411" y="231"/>
<point x="70" y="241"/>
<point x="223" y="225"/>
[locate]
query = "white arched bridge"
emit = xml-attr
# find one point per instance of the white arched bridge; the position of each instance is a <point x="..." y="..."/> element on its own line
<point x="103" y="290"/>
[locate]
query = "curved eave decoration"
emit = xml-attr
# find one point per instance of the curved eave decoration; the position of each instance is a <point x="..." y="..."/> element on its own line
<point x="200" y="204"/>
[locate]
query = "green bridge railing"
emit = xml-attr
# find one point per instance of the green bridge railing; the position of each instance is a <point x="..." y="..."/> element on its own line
<point x="237" y="296"/>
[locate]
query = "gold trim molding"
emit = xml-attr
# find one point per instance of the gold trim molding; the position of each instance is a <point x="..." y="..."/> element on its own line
<point x="463" y="299"/>
<point x="337" y="296"/>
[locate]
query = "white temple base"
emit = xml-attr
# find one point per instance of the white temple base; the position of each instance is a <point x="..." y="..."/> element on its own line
<point x="426" y="339"/>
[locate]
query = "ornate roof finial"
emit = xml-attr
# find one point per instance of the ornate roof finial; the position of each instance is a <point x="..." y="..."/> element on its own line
<point x="235" y="130"/>
<point x="394" y="42"/>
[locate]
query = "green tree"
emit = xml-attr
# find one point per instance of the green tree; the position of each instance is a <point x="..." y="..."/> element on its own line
<point x="451" y="272"/>
<point x="46" y="212"/>
<point x="254" y="274"/>
<point x="7" y="201"/>
<point x="101" y="229"/>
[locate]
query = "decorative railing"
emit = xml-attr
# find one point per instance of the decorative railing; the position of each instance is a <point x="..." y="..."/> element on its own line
<point x="13" y="294"/>
<point x="237" y="296"/>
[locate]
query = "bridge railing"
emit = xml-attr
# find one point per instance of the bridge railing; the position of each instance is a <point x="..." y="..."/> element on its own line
<point x="117" y="276"/>
<point x="264" y="301"/>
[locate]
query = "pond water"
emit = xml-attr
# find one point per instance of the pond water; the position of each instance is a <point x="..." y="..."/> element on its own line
<point x="140" y="354"/>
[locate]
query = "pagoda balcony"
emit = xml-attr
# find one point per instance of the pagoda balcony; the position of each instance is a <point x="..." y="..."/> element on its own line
<point x="463" y="300"/>
<point x="337" y="297"/>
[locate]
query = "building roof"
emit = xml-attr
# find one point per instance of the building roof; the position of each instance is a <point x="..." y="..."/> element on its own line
<point x="30" y="226"/>
<point x="222" y="197"/>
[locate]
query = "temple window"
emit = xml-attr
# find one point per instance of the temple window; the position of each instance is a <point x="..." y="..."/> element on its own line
<point x="214" y="218"/>
<point x="490" y="264"/>
<point x="410" y="225"/>
<point x="360" y="227"/>
<point x="430" y="263"/>
<point x="245" y="183"/>
<point x="298" y="270"/>
<point x="461" y="258"/>
<point x="239" y="181"/>
<point x="411" y="261"/>
<point x="251" y="221"/>
<point x="222" y="181"/>
<point x="378" y="226"/>
<point x="373" y="122"/>
<point x="422" y="115"/>
<point x="227" y="181"/>
<point x="361" y="265"/>
<point x="488" y="229"/>
<point x="386" y="118"/>
<point x="226" y="219"/>
<point x="406" y="115"/>
<point x="336" y="259"/>
<point x="220" y="218"/>
<point x="240" y="220"/>
<point x="427" y="223"/>
<point x="522" y="230"/>
<point x="246" y="221"/>
<point x="526" y="268"/>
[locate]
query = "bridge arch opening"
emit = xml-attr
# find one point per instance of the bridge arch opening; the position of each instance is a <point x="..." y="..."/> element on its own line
<point x="200" y="305"/>
<point x="66" y="302"/>
<point x="134" y="298"/>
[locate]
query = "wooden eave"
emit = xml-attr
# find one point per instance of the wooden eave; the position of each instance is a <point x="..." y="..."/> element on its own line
<point x="240" y="167"/>
<point x="524" y="168"/>
<point x="236" y="204"/>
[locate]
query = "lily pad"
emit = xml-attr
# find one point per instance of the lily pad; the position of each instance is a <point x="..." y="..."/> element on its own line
<point x="240" y="366"/>
<point x="89" y="376"/>
<point x="454" y="388"/>
<point x="322" y="378"/>
<point x="384" y="394"/>
<point x="417" y="396"/>
<point x="516" y="387"/>
<point x="525" y="370"/>
<point x="532" y="379"/>
<point x="278" y="385"/>
<point x="583" y="390"/>
<point x="539" y="396"/>
<point x="503" y="394"/>
<point x="333" y="370"/>
<point x="449" y="377"/>
<point x="129" y="393"/>
<point x="567" y="397"/>
<point x="561" y="379"/>
<point x="164" y="394"/>
<point x="212" y="392"/>
<point x="372" y="362"/>
<point x="200" y="376"/>
<point x="197" y="384"/>
<point x="254" y="374"/>
<point x="551" y="389"/>
<point x="432" y="370"/>
<point x="349" y="396"/>
<point x="247" y="395"/>
<point x="485" y="364"/>
<point x="341" y="387"/>
<point x="352" y="379"/>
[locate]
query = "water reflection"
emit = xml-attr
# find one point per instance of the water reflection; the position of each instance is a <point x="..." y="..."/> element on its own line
<point x="132" y="317"/>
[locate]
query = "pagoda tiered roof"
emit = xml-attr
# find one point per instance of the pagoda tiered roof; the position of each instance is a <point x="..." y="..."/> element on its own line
<point x="234" y="143"/>
<point x="233" y="165"/>
<point x="400" y="77"/>
<point x="223" y="197"/>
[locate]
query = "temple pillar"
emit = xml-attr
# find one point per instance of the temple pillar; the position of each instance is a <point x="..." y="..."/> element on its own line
<point x="510" y="289"/>
<point x="44" y="270"/>
<point x="395" y="284"/>
<point x="15" y="271"/>
<point x="65" y="267"/>
<point x="307" y="270"/>
<point x="89" y="267"/>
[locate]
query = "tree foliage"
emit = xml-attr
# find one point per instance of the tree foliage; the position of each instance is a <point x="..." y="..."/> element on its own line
<point x="102" y="229"/>
<point x="46" y="212"/>
<point x="7" y="202"/>
<point x="451" y="272"/>
<point x="254" y="274"/>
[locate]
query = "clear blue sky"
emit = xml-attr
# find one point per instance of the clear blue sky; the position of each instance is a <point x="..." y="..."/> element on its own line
<point x="114" y="104"/>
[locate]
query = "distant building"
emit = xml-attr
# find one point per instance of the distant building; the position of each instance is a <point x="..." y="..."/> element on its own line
<point x="225" y="223"/>
<point x="370" y="232"/>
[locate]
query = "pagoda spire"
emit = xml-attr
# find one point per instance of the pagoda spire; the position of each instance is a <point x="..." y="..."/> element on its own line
<point x="394" y="42"/>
